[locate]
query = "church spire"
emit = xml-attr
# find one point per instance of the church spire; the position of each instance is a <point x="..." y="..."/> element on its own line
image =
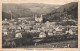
<point x="41" y="15"/>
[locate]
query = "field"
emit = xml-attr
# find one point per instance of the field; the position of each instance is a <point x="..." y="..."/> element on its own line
<point x="60" y="44"/>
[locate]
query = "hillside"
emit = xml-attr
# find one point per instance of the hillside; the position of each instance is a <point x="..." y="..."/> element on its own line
<point x="26" y="9"/>
<point x="69" y="10"/>
<point x="50" y="12"/>
<point x="16" y="11"/>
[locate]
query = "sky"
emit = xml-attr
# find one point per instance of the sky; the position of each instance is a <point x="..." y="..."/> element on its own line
<point x="58" y="2"/>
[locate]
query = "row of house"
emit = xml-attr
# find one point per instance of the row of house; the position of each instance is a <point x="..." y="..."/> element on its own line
<point x="32" y="26"/>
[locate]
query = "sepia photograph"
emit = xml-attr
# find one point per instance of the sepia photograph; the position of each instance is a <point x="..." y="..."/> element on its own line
<point x="40" y="25"/>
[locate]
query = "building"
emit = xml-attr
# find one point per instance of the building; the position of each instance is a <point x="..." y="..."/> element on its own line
<point x="18" y="35"/>
<point x="70" y="32"/>
<point x="38" y="19"/>
<point x="47" y="24"/>
<point x="4" y="31"/>
<point x="50" y="34"/>
<point x="5" y="21"/>
<point x="42" y="35"/>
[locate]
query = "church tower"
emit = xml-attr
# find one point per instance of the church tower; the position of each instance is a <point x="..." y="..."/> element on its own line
<point x="38" y="19"/>
<point x="41" y="18"/>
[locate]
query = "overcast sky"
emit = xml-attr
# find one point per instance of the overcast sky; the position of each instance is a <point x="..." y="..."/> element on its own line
<point x="58" y="2"/>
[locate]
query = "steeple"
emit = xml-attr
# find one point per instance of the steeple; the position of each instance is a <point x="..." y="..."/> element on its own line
<point x="38" y="19"/>
<point x="41" y="15"/>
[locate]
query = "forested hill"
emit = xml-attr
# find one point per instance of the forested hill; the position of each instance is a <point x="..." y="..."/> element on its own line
<point x="69" y="10"/>
<point x="26" y="9"/>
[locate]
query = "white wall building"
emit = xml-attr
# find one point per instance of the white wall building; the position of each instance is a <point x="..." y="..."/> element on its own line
<point x="38" y="19"/>
<point x="42" y="35"/>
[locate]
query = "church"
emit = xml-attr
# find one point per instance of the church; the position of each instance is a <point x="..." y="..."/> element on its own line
<point x="38" y="19"/>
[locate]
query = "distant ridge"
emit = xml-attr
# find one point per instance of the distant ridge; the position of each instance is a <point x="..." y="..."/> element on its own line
<point x="26" y="9"/>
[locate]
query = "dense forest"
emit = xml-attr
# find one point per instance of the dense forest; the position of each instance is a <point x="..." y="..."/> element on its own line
<point x="26" y="9"/>
<point x="69" y="10"/>
<point x="49" y="12"/>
